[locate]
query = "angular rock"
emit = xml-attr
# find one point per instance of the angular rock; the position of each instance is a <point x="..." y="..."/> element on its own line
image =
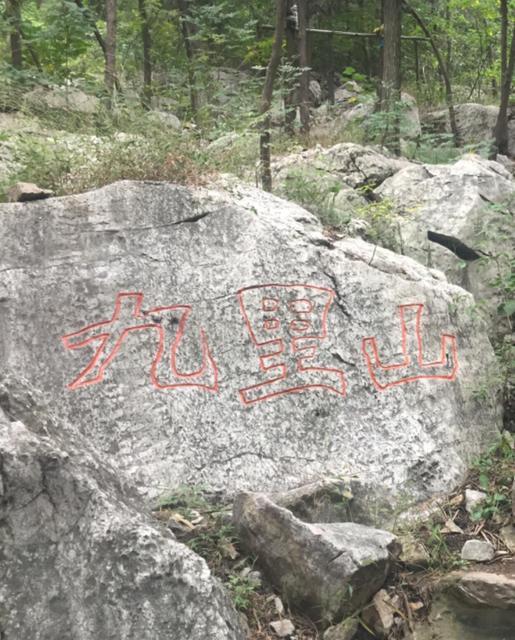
<point x="414" y="554"/>
<point x="477" y="551"/>
<point x="473" y="499"/>
<point x="378" y="615"/>
<point x="346" y="630"/>
<point x="495" y="590"/>
<point x="283" y="628"/>
<point x="329" y="570"/>
<point x="513" y="501"/>
<point x="26" y="192"/>
<point x="507" y="534"/>
<point x="467" y="200"/>
<point x="193" y="268"/>
<point x="80" y="557"/>
<point x="165" y="118"/>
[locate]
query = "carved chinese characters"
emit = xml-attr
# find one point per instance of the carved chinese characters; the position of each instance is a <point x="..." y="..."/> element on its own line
<point x="288" y="326"/>
<point x="109" y="335"/>
<point x="287" y="323"/>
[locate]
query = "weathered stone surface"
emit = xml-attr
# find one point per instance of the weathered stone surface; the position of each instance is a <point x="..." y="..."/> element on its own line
<point x="329" y="569"/>
<point x="283" y="628"/>
<point x="80" y="559"/>
<point x="496" y="590"/>
<point x="26" y="192"/>
<point x="513" y="501"/>
<point x="414" y="554"/>
<point x="455" y="200"/>
<point x="477" y="551"/>
<point x="217" y="419"/>
<point x="472" y="605"/>
<point x="346" y="630"/>
<point x="63" y="98"/>
<point x="475" y="122"/>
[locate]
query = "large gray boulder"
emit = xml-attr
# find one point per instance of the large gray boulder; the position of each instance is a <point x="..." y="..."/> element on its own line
<point x="326" y="570"/>
<point x="220" y="338"/>
<point x="63" y="99"/>
<point x="80" y="559"/>
<point x="472" y="200"/>
<point x="476" y="123"/>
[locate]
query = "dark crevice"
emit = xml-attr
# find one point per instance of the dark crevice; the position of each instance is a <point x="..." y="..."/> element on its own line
<point x="339" y="295"/>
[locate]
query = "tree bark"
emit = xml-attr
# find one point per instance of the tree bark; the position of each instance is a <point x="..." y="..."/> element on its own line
<point x="186" y="29"/>
<point x="110" y="44"/>
<point x="503" y="8"/>
<point x="304" y="65"/>
<point x="391" y="78"/>
<point x="146" y="39"/>
<point x="443" y="71"/>
<point x="14" y="16"/>
<point x="266" y="96"/>
<point x="501" y="126"/>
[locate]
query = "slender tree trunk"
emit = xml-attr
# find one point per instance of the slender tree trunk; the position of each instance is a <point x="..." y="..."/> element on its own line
<point x="391" y="80"/>
<point x="304" y="65"/>
<point x="147" y="54"/>
<point x="443" y="71"/>
<point x="14" y="16"/>
<point x="501" y="127"/>
<point x="187" y="32"/>
<point x="110" y="44"/>
<point x="290" y="99"/>
<point x="266" y="96"/>
<point x="503" y="8"/>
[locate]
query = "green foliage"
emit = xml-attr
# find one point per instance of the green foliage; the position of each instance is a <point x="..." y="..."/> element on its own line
<point x="493" y="472"/>
<point x="441" y="556"/>
<point x="241" y="589"/>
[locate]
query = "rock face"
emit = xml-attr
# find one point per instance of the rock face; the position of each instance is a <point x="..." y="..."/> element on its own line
<point x="475" y="122"/>
<point x="26" y="192"/>
<point x="79" y="554"/>
<point x="328" y="570"/>
<point x="472" y="200"/>
<point x="221" y="339"/>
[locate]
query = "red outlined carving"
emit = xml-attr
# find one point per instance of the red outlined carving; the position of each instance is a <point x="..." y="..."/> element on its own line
<point x="128" y="317"/>
<point x="412" y="366"/>
<point x="289" y="339"/>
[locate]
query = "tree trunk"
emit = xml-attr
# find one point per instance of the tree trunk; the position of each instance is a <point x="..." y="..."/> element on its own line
<point x="266" y="96"/>
<point x="391" y="80"/>
<point x="187" y="30"/>
<point x="290" y="99"/>
<point x="503" y="8"/>
<point x="14" y="16"/>
<point x="501" y="126"/>
<point x="147" y="54"/>
<point x="110" y="45"/>
<point x="304" y="65"/>
<point x="443" y="71"/>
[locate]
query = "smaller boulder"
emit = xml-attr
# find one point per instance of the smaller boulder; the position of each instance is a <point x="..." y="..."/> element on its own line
<point x="327" y="570"/>
<point x="166" y="119"/>
<point x="26" y="192"/>
<point x="473" y="499"/>
<point x="283" y="628"/>
<point x="477" y="551"/>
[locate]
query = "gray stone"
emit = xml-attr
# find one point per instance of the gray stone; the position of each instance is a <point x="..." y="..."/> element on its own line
<point x="346" y="630"/>
<point x="477" y="551"/>
<point x="473" y="499"/>
<point x="26" y="192"/>
<point x="476" y="123"/>
<point x="62" y="98"/>
<point x="218" y="420"/>
<point x="414" y="554"/>
<point x="455" y="200"/>
<point x="513" y="501"/>
<point x="329" y="570"/>
<point x="165" y="118"/>
<point x="81" y="559"/>
<point x="283" y="628"/>
<point x="495" y="590"/>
